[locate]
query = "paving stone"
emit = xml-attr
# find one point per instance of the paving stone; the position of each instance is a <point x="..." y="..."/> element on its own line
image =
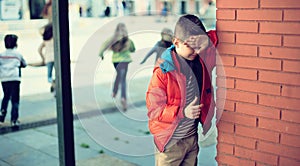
<point x="103" y="160"/>
<point x="30" y="157"/>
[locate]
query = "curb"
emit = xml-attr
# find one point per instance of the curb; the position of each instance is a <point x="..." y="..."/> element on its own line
<point x="51" y="121"/>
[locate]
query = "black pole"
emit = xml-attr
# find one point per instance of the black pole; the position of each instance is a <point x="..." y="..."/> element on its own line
<point x="63" y="83"/>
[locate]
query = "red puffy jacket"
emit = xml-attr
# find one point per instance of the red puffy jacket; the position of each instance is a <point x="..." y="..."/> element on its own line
<point x="166" y="93"/>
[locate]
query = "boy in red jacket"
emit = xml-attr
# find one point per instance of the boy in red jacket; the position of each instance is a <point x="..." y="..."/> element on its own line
<point x="180" y="93"/>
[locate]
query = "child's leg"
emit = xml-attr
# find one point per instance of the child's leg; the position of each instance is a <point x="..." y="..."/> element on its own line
<point x="7" y="93"/>
<point x="181" y="152"/>
<point x="50" y="66"/>
<point x="117" y="79"/>
<point x="15" y="98"/>
<point x="123" y="74"/>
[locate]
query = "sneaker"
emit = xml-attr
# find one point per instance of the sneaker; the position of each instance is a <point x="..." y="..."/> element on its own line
<point x="2" y="118"/>
<point x="15" y="123"/>
<point x="51" y="89"/>
<point x="124" y="104"/>
<point x="113" y="95"/>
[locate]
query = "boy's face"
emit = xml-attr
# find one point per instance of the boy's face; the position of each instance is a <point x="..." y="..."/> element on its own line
<point x="190" y="48"/>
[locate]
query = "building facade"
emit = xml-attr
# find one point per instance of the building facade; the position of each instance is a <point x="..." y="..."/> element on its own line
<point x="31" y="9"/>
<point x="259" y="50"/>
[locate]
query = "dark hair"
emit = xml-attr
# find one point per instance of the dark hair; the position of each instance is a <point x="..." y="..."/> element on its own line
<point x="48" y="32"/>
<point x="10" y="41"/>
<point x="120" y="39"/>
<point x="188" y="25"/>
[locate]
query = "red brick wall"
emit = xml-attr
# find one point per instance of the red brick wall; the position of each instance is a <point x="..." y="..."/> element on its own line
<point x="260" y="51"/>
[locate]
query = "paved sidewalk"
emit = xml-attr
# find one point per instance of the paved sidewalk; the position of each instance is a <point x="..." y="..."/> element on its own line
<point x="40" y="109"/>
<point x="35" y="143"/>
<point x="103" y="134"/>
<point x="41" y="149"/>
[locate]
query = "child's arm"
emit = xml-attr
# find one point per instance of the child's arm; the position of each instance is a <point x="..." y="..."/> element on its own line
<point x="154" y="49"/>
<point x="23" y="63"/>
<point x="132" y="47"/>
<point x="208" y="53"/>
<point x="104" y="47"/>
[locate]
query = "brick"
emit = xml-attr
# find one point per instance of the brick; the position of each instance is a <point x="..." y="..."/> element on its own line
<point x="226" y="37"/>
<point x="279" y="126"/>
<point x="291" y="41"/>
<point x="256" y="133"/>
<point x="280" y="28"/>
<point x="278" y="149"/>
<point x="258" y="63"/>
<point x="225" y="14"/>
<point x="226" y="138"/>
<point x="225" y="148"/>
<point x="246" y="142"/>
<point x="221" y="93"/>
<point x="290" y="140"/>
<point x="291" y="66"/>
<point x="237" y="118"/>
<point x="291" y="91"/>
<point x="288" y="161"/>
<point x="291" y="152"/>
<point x="256" y="155"/>
<point x="257" y="110"/>
<point x="259" y="164"/>
<point x="237" y="4"/>
<point x="241" y="96"/>
<point x="247" y="50"/>
<point x="224" y="126"/>
<point x="258" y="87"/>
<point x="225" y="60"/>
<point x="279" y="77"/>
<point x="291" y="116"/>
<point x="237" y="26"/>
<point x="258" y="39"/>
<point x="249" y="74"/>
<point x="279" y="53"/>
<point x="291" y="15"/>
<point x="233" y="160"/>
<point x="225" y="104"/>
<point x="279" y="102"/>
<point x="262" y="15"/>
<point x="218" y="114"/>
<point x="225" y="82"/>
<point x="279" y="4"/>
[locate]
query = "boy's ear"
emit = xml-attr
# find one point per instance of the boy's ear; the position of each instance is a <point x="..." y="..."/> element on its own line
<point x="175" y="42"/>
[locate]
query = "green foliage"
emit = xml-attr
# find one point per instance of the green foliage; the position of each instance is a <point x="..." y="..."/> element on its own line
<point x="84" y="145"/>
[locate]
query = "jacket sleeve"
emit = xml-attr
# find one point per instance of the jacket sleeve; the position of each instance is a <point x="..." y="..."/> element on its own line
<point x="132" y="47"/>
<point x="209" y="57"/>
<point x="156" y="99"/>
<point x="23" y="62"/>
<point x="104" y="47"/>
<point x="153" y="49"/>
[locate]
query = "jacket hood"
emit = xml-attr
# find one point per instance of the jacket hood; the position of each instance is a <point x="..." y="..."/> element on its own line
<point x="168" y="64"/>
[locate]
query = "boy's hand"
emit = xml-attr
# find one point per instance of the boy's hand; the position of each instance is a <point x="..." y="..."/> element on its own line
<point x="192" y="111"/>
<point x="198" y="42"/>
